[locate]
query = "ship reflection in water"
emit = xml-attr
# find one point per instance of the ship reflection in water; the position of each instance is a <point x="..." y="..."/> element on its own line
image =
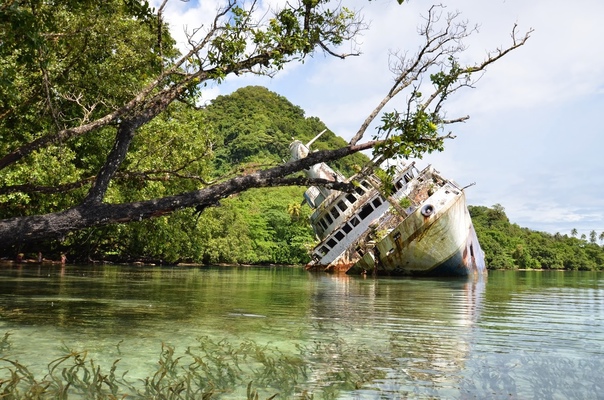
<point x="401" y="335"/>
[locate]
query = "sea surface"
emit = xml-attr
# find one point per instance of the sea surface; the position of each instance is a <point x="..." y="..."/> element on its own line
<point x="511" y="335"/>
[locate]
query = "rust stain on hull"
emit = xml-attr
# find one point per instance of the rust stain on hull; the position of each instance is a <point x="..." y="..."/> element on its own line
<point x="366" y="231"/>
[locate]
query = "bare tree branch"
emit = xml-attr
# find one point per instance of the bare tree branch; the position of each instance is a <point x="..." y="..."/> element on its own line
<point x="438" y="50"/>
<point x="212" y="58"/>
<point x="56" y="225"/>
<point x="160" y="24"/>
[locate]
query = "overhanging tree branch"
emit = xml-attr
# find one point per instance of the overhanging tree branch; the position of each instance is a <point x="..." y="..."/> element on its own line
<point x="88" y="214"/>
<point x="234" y="42"/>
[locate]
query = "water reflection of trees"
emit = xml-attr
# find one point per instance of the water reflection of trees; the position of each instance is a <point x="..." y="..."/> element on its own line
<point x="107" y="298"/>
<point x="302" y="334"/>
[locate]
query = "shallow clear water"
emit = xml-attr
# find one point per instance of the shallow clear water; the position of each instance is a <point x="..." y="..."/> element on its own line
<point x="512" y="335"/>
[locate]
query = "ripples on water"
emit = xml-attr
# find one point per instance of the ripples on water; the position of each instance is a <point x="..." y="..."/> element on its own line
<point x="514" y="335"/>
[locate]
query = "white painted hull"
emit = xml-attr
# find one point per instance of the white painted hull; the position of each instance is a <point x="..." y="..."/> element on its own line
<point x="442" y="244"/>
<point x="365" y="232"/>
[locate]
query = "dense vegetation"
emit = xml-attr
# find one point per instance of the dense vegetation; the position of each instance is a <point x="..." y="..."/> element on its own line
<point x="250" y="129"/>
<point x="508" y="246"/>
<point x="99" y="123"/>
<point x="98" y="119"/>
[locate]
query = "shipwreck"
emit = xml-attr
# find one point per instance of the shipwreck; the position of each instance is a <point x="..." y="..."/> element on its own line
<point x="422" y="228"/>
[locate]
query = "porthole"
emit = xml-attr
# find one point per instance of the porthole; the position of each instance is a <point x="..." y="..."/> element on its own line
<point x="427" y="210"/>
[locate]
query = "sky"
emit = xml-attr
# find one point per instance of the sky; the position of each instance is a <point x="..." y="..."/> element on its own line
<point x="534" y="139"/>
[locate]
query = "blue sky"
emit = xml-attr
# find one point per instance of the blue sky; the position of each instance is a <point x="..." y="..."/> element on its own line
<point x="533" y="142"/>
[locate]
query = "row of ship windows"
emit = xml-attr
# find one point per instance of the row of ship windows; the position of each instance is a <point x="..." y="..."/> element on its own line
<point x="354" y="221"/>
<point x="360" y="190"/>
<point x="334" y="213"/>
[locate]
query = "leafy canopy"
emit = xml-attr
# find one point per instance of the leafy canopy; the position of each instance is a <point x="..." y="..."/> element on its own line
<point x="99" y="123"/>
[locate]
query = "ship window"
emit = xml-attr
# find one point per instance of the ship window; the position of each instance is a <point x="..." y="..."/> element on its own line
<point x="376" y="202"/>
<point x="335" y="213"/>
<point x="408" y="177"/>
<point x="323" y="224"/>
<point x="398" y="185"/>
<point x="331" y="243"/>
<point x="351" y="198"/>
<point x="365" y="211"/>
<point x="360" y="191"/>
<point x="328" y="219"/>
<point x="365" y="185"/>
<point x="339" y="235"/>
<point x="342" y="205"/>
<point x="347" y="228"/>
<point x="354" y="221"/>
<point x="323" y="250"/>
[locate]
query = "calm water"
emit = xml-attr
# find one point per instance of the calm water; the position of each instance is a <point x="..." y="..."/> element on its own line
<point x="513" y="335"/>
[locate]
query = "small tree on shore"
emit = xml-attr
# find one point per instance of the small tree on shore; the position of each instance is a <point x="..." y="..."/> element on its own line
<point x="593" y="237"/>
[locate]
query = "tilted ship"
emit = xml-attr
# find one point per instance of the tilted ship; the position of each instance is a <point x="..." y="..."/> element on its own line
<point x="423" y="228"/>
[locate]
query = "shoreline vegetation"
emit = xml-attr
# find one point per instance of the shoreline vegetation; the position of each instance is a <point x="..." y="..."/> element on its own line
<point x="506" y="246"/>
<point x="6" y="262"/>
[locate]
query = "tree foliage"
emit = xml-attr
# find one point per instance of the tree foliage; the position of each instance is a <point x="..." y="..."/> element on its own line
<point x="99" y="125"/>
<point x="259" y="226"/>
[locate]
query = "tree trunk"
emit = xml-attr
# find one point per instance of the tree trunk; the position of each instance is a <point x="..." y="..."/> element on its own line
<point x="88" y="214"/>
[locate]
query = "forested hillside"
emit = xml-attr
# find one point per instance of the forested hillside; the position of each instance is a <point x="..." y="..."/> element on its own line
<point x="508" y="246"/>
<point x="247" y="130"/>
<point x="254" y="127"/>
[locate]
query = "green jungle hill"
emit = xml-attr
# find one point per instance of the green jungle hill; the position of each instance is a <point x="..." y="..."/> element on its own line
<point x="247" y="130"/>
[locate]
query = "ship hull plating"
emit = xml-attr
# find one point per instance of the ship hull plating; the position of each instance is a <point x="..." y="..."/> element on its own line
<point x="416" y="224"/>
<point x="442" y="243"/>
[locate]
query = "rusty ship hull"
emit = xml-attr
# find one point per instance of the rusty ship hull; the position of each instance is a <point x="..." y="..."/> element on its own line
<point x="441" y="243"/>
<point x="367" y="233"/>
<point x="419" y="226"/>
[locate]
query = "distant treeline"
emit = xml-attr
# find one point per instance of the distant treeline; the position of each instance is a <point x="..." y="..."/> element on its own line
<point x="508" y="246"/>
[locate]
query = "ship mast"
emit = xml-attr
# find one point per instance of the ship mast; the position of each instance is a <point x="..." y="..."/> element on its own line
<point x="315" y="139"/>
